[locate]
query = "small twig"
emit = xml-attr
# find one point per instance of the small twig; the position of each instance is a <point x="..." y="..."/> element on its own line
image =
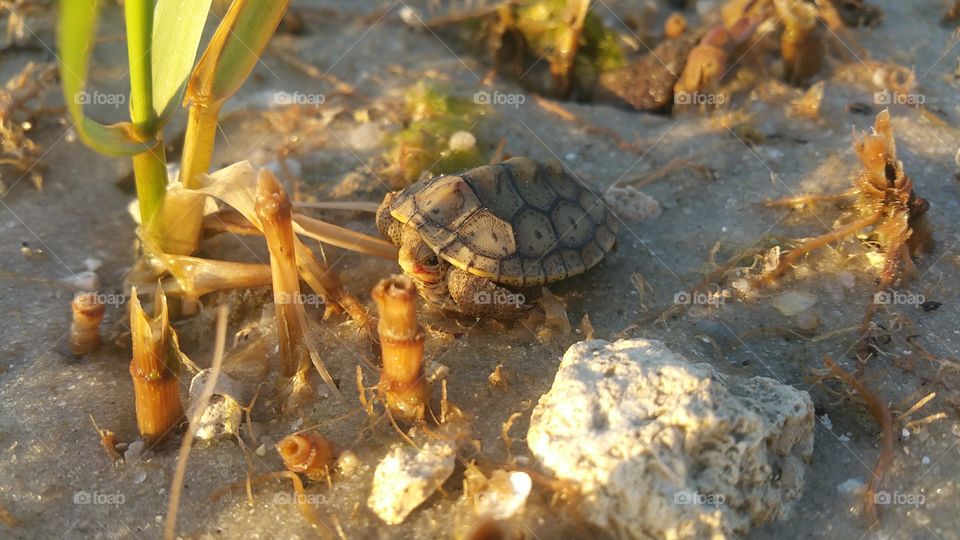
<point x="881" y="413"/>
<point x="804" y="200"/>
<point x="358" y="206"/>
<point x="176" y="487"/>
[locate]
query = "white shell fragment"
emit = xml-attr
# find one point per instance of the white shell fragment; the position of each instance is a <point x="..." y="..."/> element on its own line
<point x="223" y="414"/>
<point x="504" y="494"/>
<point x="664" y="448"/>
<point x="631" y="204"/>
<point x="406" y="477"/>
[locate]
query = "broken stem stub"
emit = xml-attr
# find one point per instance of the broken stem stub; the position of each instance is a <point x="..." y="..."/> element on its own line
<point x="155" y="369"/>
<point x="273" y="209"/>
<point x="401" y="341"/>
<point x="88" y="312"/>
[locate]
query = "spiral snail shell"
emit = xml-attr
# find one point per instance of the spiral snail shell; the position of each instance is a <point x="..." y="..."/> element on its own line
<point x="307" y="453"/>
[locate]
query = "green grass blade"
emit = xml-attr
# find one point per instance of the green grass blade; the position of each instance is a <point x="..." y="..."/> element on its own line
<point x="177" y="29"/>
<point x="235" y="49"/>
<point x="78" y="24"/>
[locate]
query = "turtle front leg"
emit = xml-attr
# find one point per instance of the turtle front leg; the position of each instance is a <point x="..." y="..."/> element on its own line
<point x="477" y="296"/>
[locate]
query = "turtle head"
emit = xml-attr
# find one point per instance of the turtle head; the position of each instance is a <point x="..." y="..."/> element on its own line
<point x="419" y="261"/>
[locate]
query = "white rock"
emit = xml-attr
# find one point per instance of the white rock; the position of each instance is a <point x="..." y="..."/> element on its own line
<point x="223" y="414"/>
<point x="406" y="477"/>
<point x="631" y="204"/>
<point x="663" y="448"/>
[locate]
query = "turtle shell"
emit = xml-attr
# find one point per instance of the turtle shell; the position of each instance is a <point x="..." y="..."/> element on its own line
<point x="518" y="222"/>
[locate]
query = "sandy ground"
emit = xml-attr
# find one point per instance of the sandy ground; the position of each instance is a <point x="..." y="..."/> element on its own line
<point x="49" y="451"/>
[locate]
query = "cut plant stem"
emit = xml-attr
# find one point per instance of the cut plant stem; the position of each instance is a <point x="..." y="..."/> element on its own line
<point x="88" y="312"/>
<point x="155" y="369"/>
<point x="406" y="391"/>
<point x="273" y="210"/>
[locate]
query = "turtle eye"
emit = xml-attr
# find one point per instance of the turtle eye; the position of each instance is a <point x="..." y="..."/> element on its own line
<point x="432" y="261"/>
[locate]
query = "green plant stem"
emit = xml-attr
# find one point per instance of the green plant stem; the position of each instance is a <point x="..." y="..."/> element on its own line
<point x="149" y="168"/>
<point x="150" y="171"/>
<point x="139" y="17"/>
<point x="198" y="144"/>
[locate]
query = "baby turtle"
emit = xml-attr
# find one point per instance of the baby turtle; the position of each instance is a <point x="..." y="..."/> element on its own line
<point x="479" y="242"/>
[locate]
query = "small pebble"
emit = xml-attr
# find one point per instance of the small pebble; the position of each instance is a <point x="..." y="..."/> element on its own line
<point x="925" y="460"/>
<point x="409" y="16"/>
<point x="261" y="450"/>
<point x="905" y="434"/>
<point x="462" y="141"/>
<point x="348" y="463"/>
